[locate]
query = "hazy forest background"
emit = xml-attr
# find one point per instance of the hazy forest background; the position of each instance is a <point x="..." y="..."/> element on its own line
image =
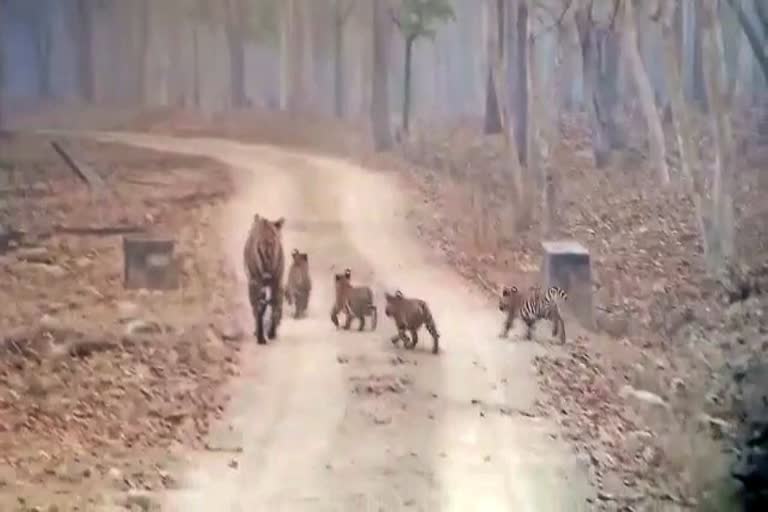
<point x="638" y="127"/>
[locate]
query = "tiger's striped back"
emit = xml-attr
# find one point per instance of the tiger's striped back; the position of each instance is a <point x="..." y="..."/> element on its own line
<point x="540" y="305"/>
<point x="263" y="254"/>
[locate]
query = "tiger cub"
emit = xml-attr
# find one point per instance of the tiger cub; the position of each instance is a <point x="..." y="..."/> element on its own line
<point x="409" y="315"/>
<point x="299" y="285"/>
<point x="354" y="301"/>
<point x="532" y="306"/>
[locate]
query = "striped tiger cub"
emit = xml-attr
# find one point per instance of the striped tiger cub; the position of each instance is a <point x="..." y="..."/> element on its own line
<point x="533" y="305"/>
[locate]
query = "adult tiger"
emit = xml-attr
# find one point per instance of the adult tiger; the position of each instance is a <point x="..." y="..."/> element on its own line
<point x="264" y="268"/>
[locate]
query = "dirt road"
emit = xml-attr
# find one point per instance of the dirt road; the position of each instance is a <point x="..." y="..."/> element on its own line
<point x="324" y="419"/>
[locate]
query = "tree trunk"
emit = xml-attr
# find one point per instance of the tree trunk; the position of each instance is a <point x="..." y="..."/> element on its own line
<point x="236" y="47"/>
<point x="517" y="73"/>
<point x="338" y="59"/>
<point x="196" y="93"/>
<point x="407" y="84"/>
<point x="380" y="122"/>
<point x="753" y="37"/>
<point x="699" y="90"/>
<point x="296" y="92"/>
<point x="601" y="146"/>
<point x="83" y="36"/>
<point x="492" y="117"/>
<point x="690" y="163"/>
<point x="493" y="34"/>
<point x="722" y="179"/>
<point x="285" y="52"/>
<point x="43" y="50"/>
<point x="145" y="36"/>
<point x="537" y="161"/>
<point x="2" y="72"/>
<point x="646" y="96"/>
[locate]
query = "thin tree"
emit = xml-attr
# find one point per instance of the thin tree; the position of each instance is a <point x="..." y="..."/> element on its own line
<point x="82" y="33"/>
<point x="416" y="19"/>
<point x="516" y="57"/>
<point x="235" y="20"/>
<point x="494" y="9"/>
<point x="645" y="93"/>
<point x="755" y="42"/>
<point x="690" y="161"/>
<point x="722" y="179"/>
<point x="382" y="134"/>
<point x="2" y="74"/>
<point x="341" y="11"/>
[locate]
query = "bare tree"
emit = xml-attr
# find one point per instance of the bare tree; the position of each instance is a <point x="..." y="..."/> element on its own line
<point x="341" y="11"/>
<point x="380" y="122"/>
<point x="235" y="19"/>
<point x="645" y="94"/>
<point x="755" y="42"/>
<point x="41" y="15"/>
<point x="416" y="19"/>
<point x="516" y="58"/>
<point x="2" y="69"/>
<point x="690" y="162"/>
<point x="293" y="80"/>
<point x="601" y="147"/>
<point x="722" y="179"/>
<point x="82" y="32"/>
<point x="493" y="11"/>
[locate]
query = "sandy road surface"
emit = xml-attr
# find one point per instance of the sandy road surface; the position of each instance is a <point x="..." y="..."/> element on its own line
<point x="313" y="436"/>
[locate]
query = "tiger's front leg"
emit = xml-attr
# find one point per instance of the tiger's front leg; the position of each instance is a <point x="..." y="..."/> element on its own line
<point x="506" y="327"/>
<point x="529" y="330"/>
<point x="348" y="322"/>
<point x="335" y="315"/>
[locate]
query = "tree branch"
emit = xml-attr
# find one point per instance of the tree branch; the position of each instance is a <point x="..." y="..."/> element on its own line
<point x="395" y="19"/>
<point x="616" y="6"/>
<point x="558" y="22"/>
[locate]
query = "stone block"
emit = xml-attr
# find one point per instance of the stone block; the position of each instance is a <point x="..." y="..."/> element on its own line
<point x="149" y="263"/>
<point x="567" y="264"/>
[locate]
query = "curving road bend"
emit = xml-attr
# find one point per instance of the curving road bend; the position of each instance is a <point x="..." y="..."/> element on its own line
<point x="331" y="420"/>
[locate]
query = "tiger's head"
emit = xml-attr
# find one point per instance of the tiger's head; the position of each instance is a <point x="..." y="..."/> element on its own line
<point x="510" y="299"/>
<point x="343" y="281"/>
<point x="393" y="303"/>
<point x="268" y="229"/>
<point x="300" y="259"/>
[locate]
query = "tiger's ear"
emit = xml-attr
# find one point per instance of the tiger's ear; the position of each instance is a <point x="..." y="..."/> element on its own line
<point x="348" y="272"/>
<point x="304" y="256"/>
<point x="399" y="294"/>
<point x="388" y="296"/>
<point x="279" y="223"/>
<point x="505" y="292"/>
<point x="514" y="289"/>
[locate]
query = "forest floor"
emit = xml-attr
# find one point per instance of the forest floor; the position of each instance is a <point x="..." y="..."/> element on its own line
<point x="652" y="405"/>
<point x="101" y="388"/>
